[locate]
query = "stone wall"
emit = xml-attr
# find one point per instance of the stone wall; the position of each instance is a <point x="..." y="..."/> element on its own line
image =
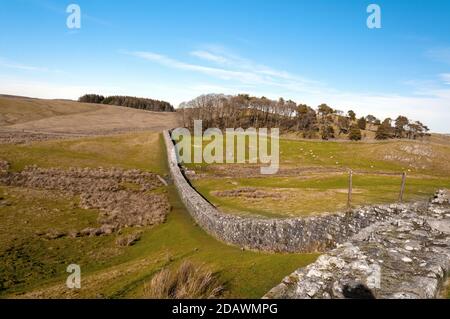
<point x="407" y="256"/>
<point x="316" y="233"/>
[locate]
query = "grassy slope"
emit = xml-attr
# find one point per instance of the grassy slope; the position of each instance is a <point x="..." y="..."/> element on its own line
<point x="70" y="117"/>
<point x="315" y="192"/>
<point x="35" y="267"/>
<point x="321" y="194"/>
<point x="126" y="151"/>
<point x="14" y="110"/>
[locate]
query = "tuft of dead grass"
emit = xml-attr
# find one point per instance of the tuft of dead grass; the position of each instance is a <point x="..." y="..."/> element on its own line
<point x="187" y="281"/>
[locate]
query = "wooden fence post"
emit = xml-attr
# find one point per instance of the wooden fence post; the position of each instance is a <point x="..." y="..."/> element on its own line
<point x="350" y="188"/>
<point x="402" y="189"/>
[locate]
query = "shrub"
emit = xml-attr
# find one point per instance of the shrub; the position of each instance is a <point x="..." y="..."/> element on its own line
<point x="128" y="240"/>
<point x="355" y="133"/>
<point x="189" y="280"/>
<point x="327" y="132"/>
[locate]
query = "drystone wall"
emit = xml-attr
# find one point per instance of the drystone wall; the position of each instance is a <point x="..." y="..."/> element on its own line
<point x="407" y="256"/>
<point x="316" y="233"/>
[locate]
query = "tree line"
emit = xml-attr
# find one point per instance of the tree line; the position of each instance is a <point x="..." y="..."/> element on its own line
<point x="243" y="110"/>
<point x="129" y="101"/>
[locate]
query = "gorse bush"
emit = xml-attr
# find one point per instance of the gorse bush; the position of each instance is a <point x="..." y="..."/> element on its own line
<point x="189" y="280"/>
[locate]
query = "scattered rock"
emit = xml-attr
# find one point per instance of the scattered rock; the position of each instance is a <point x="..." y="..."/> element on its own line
<point x="128" y="240"/>
<point x="441" y="197"/>
<point x="53" y="234"/>
<point x="81" y="180"/>
<point x="247" y="192"/>
<point x="21" y="137"/>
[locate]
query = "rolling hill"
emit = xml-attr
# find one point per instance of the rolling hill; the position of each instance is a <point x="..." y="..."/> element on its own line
<point x="65" y="116"/>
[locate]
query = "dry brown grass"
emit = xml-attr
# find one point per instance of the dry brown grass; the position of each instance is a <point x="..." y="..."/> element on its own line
<point x="70" y="117"/>
<point x="189" y="280"/>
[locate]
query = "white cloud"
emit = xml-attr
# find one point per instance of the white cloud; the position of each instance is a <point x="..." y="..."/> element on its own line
<point x="236" y="69"/>
<point x="439" y="54"/>
<point x="5" y="63"/>
<point x="224" y="74"/>
<point x="221" y="56"/>
<point x="210" y="57"/>
<point x="446" y="78"/>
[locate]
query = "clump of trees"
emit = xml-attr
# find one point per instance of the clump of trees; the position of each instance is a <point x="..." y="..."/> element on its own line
<point x="129" y="101"/>
<point x="91" y="98"/>
<point x="243" y="110"/>
<point x="402" y="128"/>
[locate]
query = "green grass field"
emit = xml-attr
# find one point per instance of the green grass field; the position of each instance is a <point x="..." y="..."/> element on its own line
<point x="128" y="151"/>
<point x="416" y="157"/>
<point x="313" y="177"/>
<point x="318" y="194"/>
<point x="32" y="266"/>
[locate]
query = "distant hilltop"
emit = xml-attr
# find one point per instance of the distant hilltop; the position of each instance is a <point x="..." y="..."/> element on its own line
<point x="243" y="110"/>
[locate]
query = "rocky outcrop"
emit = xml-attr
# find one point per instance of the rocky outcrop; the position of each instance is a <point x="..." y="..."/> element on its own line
<point x="406" y="256"/>
<point x="78" y="180"/>
<point x="21" y="137"/>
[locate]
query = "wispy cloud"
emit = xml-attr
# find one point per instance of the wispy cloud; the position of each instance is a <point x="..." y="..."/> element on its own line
<point x="5" y="63"/>
<point x="446" y="78"/>
<point x="224" y="74"/>
<point x="236" y="69"/>
<point x="210" y="57"/>
<point x="439" y="54"/>
<point x="221" y="56"/>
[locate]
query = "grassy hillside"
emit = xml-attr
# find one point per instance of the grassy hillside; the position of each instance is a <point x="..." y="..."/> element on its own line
<point x="62" y="116"/>
<point x="32" y="266"/>
<point x="132" y="150"/>
<point x="15" y="110"/>
<point x="313" y="176"/>
<point x="298" y="196"/>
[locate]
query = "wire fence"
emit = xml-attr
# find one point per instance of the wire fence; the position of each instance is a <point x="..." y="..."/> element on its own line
<point x="350" y="187"/>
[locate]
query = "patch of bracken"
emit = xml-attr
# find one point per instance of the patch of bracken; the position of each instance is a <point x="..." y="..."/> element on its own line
<point x="124" y="197"/>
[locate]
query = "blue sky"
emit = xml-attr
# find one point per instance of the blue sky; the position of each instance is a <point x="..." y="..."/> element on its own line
<point x="309" y="51"/>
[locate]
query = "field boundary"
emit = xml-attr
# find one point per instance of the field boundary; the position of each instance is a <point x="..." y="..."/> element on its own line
<point x="303" y="234"/>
